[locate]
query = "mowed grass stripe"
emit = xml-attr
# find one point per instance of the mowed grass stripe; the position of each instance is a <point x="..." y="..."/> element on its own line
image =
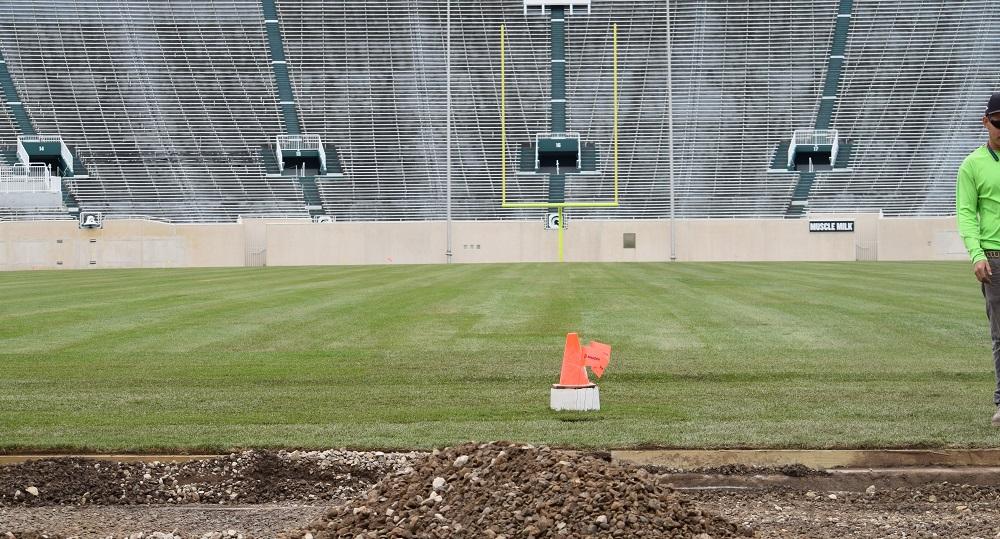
<point x="705" y="355"/>
<point x="181" y="306"/>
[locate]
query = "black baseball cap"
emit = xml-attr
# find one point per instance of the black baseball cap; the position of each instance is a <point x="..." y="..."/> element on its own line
<point x="993" y="105"/>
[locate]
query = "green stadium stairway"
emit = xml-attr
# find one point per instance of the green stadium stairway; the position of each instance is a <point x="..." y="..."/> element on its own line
<point x="13" y="101"/>
<point x="779" y="161"/>
<point x="835" y="65"/>
<point x="588" y="157"/>
<point x="844" y="154"/>
<point x="828" y="99"/>
<point x="290" y="115"/>
<point x="79" y="169"/>
<point x="333" y="162"/>
<point x="69" y="199"/>
<point x="527" y="158"/>
<point x="8" y="155"/>
<point x="269" y="160"/>
<point x="276" y="45"/>
<point x="557" y="188"/>
<point x="311" y="194"/>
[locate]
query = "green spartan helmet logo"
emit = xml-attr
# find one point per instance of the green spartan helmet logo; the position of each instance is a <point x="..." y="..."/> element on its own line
<point x="553" y="220"/>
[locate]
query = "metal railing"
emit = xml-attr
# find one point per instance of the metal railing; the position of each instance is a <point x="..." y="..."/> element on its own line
<point x="299" y="142"/>
<point x="309" y="142"/>
<point x="28" y="179"/>
<point x="39" y="138"/>
<point x="569" y="135"/>
<point x="571" y="4"/>
<point x="814" y="138"/>
<point x="64" y="152"/>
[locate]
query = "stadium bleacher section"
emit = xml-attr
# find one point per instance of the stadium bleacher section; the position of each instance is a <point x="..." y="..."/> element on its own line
<point x="8" y="130"/>
<point x="168" y="104"/>
<point x="916" y="79"/>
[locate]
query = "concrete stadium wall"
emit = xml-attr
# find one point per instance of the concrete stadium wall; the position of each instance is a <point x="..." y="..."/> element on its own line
<point x="120" y="244"/>
<point x="256" y="242"/>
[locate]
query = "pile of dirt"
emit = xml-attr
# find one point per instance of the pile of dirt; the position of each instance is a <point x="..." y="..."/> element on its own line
<point x="496" y="490"/>
<point x="249" y="477"/>
<point x="505" y="490"/>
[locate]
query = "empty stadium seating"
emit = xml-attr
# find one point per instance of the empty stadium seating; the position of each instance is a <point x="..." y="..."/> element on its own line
<point x="916" y="80"/>
<point x="171" y="106"/>
<point x="8" y="130"/>
<point x="167" y="103"/>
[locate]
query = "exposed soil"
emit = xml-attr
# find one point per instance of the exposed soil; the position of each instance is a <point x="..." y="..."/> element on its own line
<point x="497" y="490"/>
<point x="250" y="477"/>
<point x="779" y="513"/>
<point x="250" y="494"/>
<point x="506" y="490"/>
<point x="186" y="521"/>
<point x="790" y="470"/>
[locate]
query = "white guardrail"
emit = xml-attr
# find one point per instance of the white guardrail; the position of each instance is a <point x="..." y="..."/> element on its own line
<point x="542" y="4"/>
<point x="64" y="152"/>
<point x="300" y="142"/>
<point x="814" y="138"/>
<point x="28" y="179"/>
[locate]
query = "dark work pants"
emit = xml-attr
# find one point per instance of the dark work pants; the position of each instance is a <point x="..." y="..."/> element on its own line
<point x="992" y="294"/>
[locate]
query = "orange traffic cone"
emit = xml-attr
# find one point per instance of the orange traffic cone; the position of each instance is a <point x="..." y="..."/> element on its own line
<point x="577" y="358"/>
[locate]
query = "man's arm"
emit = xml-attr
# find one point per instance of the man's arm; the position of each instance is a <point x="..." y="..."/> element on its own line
<point x="966" y="207"/>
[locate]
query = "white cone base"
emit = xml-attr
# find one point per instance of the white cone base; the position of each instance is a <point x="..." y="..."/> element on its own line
<point x="575" y="398"/>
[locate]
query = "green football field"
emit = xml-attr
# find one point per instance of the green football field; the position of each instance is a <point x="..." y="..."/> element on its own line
<point x="704" y="355"/>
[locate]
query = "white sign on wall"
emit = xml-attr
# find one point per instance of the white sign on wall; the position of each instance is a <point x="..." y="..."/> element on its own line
<point x="831" y="226"/>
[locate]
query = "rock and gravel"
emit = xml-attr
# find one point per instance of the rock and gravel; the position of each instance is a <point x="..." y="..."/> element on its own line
<point x="192" y="521"/>
<point x="938" y="510"/>
<point x="496" y="490"/>
<point x="502" y="491"/>
<point x="241" y="495"/>
<point x="250" y="477"/>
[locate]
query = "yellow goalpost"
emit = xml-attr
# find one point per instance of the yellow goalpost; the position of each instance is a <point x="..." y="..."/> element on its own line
<point x="503" y="136"/>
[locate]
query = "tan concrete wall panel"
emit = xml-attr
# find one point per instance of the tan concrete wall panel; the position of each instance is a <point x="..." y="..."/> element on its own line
<point x="920" y="239"/>
<point x="134" y="243"/>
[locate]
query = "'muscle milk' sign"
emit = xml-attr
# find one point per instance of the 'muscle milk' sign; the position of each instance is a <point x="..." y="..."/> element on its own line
<point x="831" y="226"/>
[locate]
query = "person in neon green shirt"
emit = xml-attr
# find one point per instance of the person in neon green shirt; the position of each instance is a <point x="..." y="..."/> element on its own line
<point x="977" y="204"/>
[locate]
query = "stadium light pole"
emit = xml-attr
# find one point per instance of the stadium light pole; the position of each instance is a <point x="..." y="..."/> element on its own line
<point x="670" y="138"/>
<point x="447" y="69"/>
